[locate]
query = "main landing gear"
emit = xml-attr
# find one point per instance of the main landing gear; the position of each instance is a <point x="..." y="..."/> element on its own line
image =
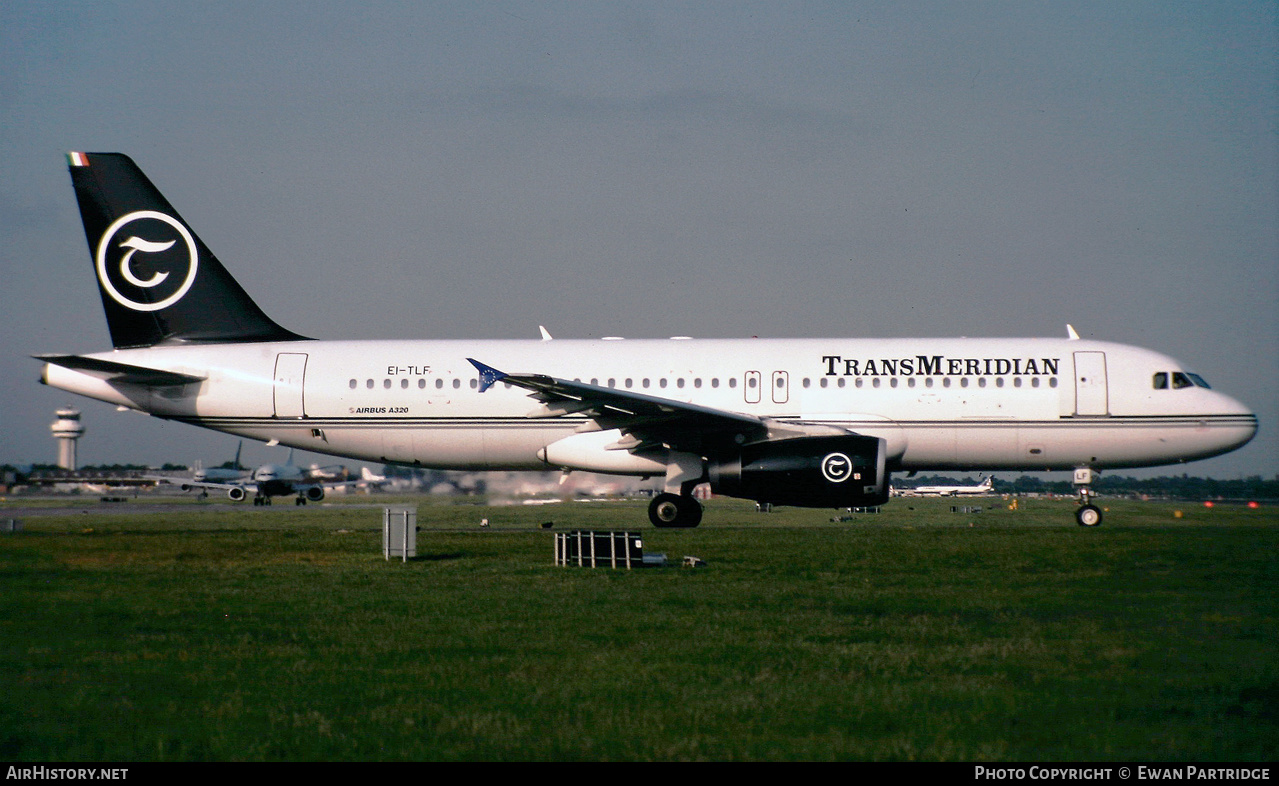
<point x="675" y="507"/>
<point x="674" y="510"/>
<point x="1088" y="514"/>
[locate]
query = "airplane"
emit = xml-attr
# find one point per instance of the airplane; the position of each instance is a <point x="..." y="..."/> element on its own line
<point x="369" y="480"/>
<point x="987" y="486"/>
<point x="276" y="480"/>
<point x="236" y="471"/>
<point x="808" y="422"/>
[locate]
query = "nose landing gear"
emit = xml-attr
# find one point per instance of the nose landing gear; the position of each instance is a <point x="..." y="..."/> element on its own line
<point x="1088" y="514"/>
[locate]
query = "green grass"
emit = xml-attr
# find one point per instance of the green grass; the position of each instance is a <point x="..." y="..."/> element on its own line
<point x="245" y="634"/>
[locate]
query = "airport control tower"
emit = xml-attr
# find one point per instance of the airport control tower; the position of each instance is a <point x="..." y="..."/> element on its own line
<point x="67" y="429"/>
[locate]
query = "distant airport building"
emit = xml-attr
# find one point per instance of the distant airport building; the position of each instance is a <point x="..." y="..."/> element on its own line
<point x="67" y="429"/>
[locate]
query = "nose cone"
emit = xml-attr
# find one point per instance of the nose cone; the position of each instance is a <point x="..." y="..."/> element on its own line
<point x="1235" y="426"/>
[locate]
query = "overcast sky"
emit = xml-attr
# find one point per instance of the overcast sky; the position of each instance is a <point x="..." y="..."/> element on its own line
<point x="473" y="170"/>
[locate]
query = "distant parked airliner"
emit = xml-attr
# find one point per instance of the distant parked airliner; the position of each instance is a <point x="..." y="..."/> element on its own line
<point x="987" y="486"/>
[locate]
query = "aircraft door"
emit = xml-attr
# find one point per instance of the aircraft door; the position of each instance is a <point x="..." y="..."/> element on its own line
<point x="1091" y="393"/>
<point x="290" y="372"/>
<point x="781" y="387"/>
<point x="751" y="387"/>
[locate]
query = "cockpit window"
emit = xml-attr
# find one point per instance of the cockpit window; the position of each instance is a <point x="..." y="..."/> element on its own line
<point x="1180" y="380"/>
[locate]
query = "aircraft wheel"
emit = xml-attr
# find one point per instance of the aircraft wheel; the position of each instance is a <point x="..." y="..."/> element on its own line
<point x="300" y="501"/>
<point x="1088" y="516"/>
<point x="673" y="510"/>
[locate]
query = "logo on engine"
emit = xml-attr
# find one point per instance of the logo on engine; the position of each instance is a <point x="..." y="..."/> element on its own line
<point x="154" y="264"/>
<point x="837" y="467"/>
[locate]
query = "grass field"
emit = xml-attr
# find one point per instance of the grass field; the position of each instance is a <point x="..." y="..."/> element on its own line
<point x="225" y="633"/>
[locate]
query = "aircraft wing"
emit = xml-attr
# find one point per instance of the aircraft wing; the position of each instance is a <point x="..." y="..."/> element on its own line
<point x="330" y="484"/>
<point x="647" y="421"/>
<point x="188" y="484"/>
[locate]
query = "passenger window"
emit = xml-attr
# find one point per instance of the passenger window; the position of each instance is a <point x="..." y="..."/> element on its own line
<point x="1180" y="380"/>
<point x="1161" y="380"/>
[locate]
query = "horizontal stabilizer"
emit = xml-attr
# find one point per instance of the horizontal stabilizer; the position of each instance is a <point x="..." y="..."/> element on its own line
<point x="112" y="371"/>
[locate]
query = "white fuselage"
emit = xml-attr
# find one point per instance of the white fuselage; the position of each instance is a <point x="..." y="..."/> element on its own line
<point x="947" y="403"/>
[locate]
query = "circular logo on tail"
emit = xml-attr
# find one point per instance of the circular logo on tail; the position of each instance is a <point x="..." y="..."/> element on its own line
<point x="837" y="467"/>
<point x="146" y="260"/>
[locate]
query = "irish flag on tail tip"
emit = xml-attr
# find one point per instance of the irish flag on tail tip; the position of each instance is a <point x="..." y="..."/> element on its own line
<point x="77" y="159"/>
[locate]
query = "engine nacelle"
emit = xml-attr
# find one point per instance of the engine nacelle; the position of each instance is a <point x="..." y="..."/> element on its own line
<point x="315" y="493"/>
<point x="235" y="493"/>
<point x="813" y="472"/>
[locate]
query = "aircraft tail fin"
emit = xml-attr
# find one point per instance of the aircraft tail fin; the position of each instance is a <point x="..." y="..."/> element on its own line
<point x="159" y="282"/>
